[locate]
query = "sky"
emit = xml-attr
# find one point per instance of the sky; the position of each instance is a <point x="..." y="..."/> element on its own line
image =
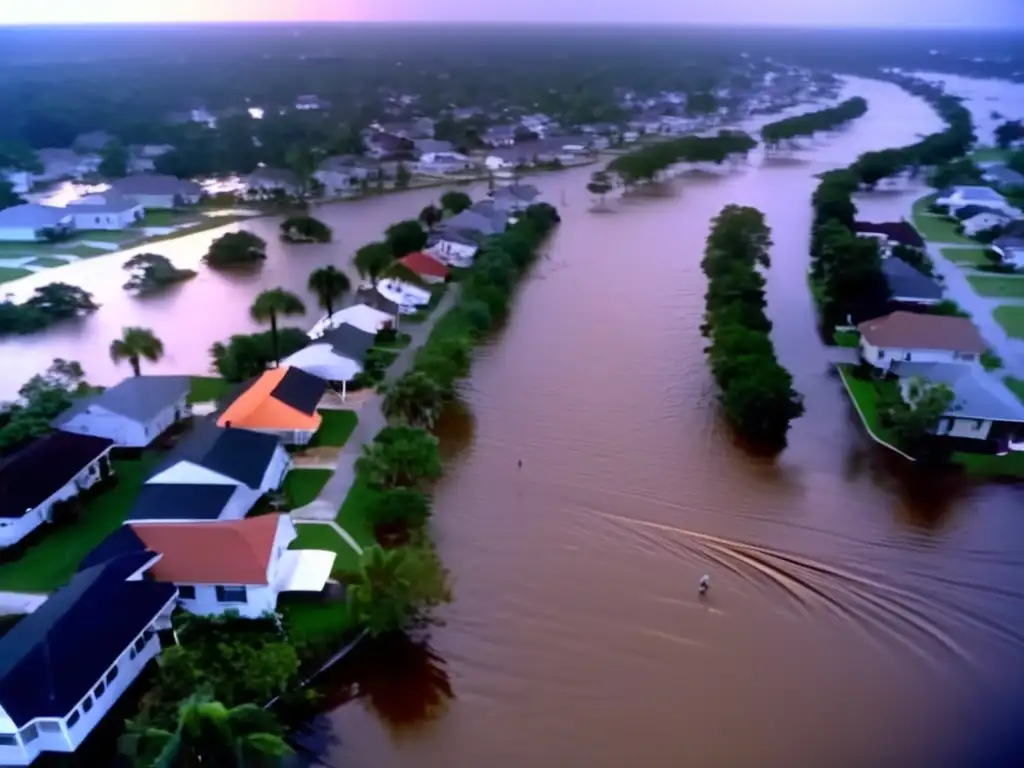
<point x="874" y="13"/>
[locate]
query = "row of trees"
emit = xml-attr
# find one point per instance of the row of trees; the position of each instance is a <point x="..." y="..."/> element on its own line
<point x="646" y="163"/>
<point x="811" y="123"/>
<point x="47" y="305"/>
<point x="755" y="391"/>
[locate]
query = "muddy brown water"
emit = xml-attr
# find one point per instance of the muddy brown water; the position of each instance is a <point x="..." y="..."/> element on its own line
<point x="857" y="612"/>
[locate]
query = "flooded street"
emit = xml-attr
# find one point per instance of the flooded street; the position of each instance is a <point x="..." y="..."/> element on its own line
<point x="855" y="612"/>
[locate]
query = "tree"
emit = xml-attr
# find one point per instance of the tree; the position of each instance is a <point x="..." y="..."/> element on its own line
<point x="152" y="272"/>
<point x="1016" y="161"/>
<point x="246" y="356"/>
<point x="302" y="160"/>
<point x="446" y="361"/>
<point x="913" y="416"/>
<point x="135" y="345"/>
<point x="8" y="198"/>
<point x="402" y="176"/>
<point x="41" y="399"/>
<point x="405" y="506"/>
<point x="962" y="171"/>
<point x="400" y="456"/>
<point x="305" y="229"/>
<point x="1009" y="133"/>
<point x="477" y="316"/>
<point x="431" y="216"/>
<point x="274" y="303"/>
<point x="918" y="258"/>
<point x="599" y="185"/>
<point x="372" y="260"/>
<point x="395" y="589"/>
<point x="698" y="104"/>
<point x="114" y="162"/>
<point x="455" y="201"/>
<point x="329" y="284"/>
<point x="61" y="301"/>
<point x="207" y="733"/>
<point x="236" y="248"/>
<point x="405" y="237"/>
<point x="414" y="399"/>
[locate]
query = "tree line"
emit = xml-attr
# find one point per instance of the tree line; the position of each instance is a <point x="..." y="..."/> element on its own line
<point x="822" y="121"/>
<point x="755" y="391"/>
<point x="644" y="164"/>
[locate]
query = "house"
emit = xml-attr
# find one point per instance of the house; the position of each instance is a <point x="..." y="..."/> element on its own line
<point x="214" y="456"/>
<point x="420" y="128"/>
<point x="967" y="211"/>
<point x="889" y="233"/>
<point x="37" y="479"/>
<point x="630" y="137"/>
<point x="983" y="222"/>
<point x="385" y="145"/>
<point x="66" y="164"/>
<point x="132" y="413"/>
<point x="1002" y="177"/>
<point x="912" y="338"/>
<point x="1010" y="249"/>
<point x="490" y="210"/>
<point x="500" y="135"/>
<point x="982" y="407"/>
<point x="428" y="146"/>
<point x="519" y="197"/>
<point x="343" y="173"/>
<point x="405" y="296"/>
<point x="106" y="211"/>
<point x="270" y="182"/>
<point x="986" y="197"/>
<point x="281" y="402"/>
<point x="429" y="269"/>
<point x="471" y="221"/>
<point x="20" y="181"/>
<point x="444" y="162"/>
<point x="309" y="102"/>
<point x="154" y="191"/>
<point x="909" y="286"/>
<point x="64" y="666"/>
<point x="230" y="565"/>
<point x="94" y="141"/>
<point x="452" y="247"/>
<point x="361" y="316"/>
<point x="142" y="157"/>
<point x="201" y="502"/>
<point x="29" y="223"/>
<point x="337" y="356"/>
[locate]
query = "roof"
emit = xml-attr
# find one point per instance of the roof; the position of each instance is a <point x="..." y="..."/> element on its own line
<point x="970" y="211"/>
<point x="1011" y="242"/>
<point x="280" y="176"/>
<point x="139" y="398"/>
<point x="105" y="202"/>
<point x="281" y="398"/>
<point x="219" y="552"/>
<point x="155" y="184"/>
<point x="121" y="543"/>
<point x="239" y="454"/>
<point x="93" y="140"/>
<point x="322" y="360"/>
<point x="31" y="215"/>
<point x="424" y="264"/>
<point x="350" y="341"/>
<point x="976" y="395"/>
<point x="525" y="192"/>
<point x="908" y="330"/>
<point x="174" y="501"/>
<point x="433" y="145"/>
<point x="470" y="221"/>
<point x="54" y="656"/>
<point x="900" y="231"/>
<point x="33" y="474"/>
<point x="362" y="316"/>
<point x="980" y="194"/>
<point x="906" y="282"/>
<point x="1003" y="175"/>
<point x="451" y="236"/>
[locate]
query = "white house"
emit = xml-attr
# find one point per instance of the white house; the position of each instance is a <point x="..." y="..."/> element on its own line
<point x="984" y="221"/>
<point x="516" y="197"/>
<point x="630" y="137"/>
<point x="343" y="173"/>
<point x="985" y="197"/>
<point x="1010" y="250"/>
<point x="153" y="191"/>
<point x="232" y="565"/>
<point x="443" y="162"/>
<point x="105" y="211"/>
<point x="453" y="248"/>
<point x="29" y="223"/>
<point x="362" y="316"/>
<point x="406" y="296"/>
<point x="133" y="413"/>
<point x="906" y="337"/>
<point x="268" y="182"/>
<point x="52" y="469"/>
<point x="64" y="666"/>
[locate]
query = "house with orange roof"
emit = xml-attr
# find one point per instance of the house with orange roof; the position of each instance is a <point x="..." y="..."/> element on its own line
<point x="426" y="267"/>
<point x="222" y="565"/>
<point x="281" y="402"/>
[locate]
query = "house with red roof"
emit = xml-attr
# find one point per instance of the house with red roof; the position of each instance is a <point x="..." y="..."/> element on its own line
<point x="429" y="269"/>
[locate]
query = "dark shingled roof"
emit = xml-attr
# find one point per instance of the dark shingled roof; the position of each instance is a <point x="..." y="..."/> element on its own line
<point x="300" y="390"/>
<point x="174" y="501"/>
<point x="54" y="656"/>
<point x="349" y="341"/>
<point x="139" y="398"/>
<point x="33" y="474"/>
<point x="905" y="282"/>
<point x="900" y="231"/>
<point x="121" y="543"/>
<point x="236" y="453"/>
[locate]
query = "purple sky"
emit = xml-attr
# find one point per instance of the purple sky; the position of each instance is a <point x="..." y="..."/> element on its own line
<point x="917" y="13"/>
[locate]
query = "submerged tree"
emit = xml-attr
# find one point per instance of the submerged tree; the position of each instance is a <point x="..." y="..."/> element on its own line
<point x="236" y="248"/>
<point x="329" y="284"/>
<point x="135" y="345"/>
<point x="272" y="304"/>
<point x="150" y="272"/>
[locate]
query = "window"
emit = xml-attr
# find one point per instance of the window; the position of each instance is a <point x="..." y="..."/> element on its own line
<point x="99" y="689"/>
<point x="29" y="734"/>
<point x="8" y="740"/>
<point x="139" y="644"/>
<point x="87" y="704"/>
<point x="881" y="354"/>
<point x="907" y="357"/>
<point x="187" y="592"/>
<point x="112" y="674"/>
<point x="231" y="594"/>
<point x="73" y="718"/>
<point x="48" y="726"/>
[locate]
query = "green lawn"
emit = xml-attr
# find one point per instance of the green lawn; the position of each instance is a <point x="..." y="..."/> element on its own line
<point x="317" y="536"/>
<point x="165" y="218"/>
<point x="50" y="563"/>
<point x="989" y="155"/>
<point x="968" y="257"/>
<point x="116" y="236"/>
<point x="1010" y="465"/>
<point x="865" y="395"/>
<point x="207" y="388"/>
<point x="35" y="250"/>
<point x="314" y="620"/>
<point x="1016" y="386"/>
<point x="12" y="273"/>
<point x="352" y="515"/>
<point x="301" y="486"/>
<point x="335" y="429"/>
<point x="935" y="227"/>
<point x="48" y="261"/>
<point x="998" y="287"/>
<point x="1011" y="317"/>
<point x="849" y="339"/>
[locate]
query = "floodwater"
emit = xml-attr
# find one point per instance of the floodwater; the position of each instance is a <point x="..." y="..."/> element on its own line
<point x="857" y="614"/>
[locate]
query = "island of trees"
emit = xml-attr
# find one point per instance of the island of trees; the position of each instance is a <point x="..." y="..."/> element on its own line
<point x="645" y="164"/>
<point x="787" y="130"/>
<point x="151" y="272"/>
<point x="49" y="304"/>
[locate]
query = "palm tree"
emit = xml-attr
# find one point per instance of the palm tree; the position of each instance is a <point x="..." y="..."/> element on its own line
<point x="415" y="399"/>
<point x="329" y="284"/>
<point x="271" y="304"/>
<point x="134" y="345"/>
<point x="208" y="733"/>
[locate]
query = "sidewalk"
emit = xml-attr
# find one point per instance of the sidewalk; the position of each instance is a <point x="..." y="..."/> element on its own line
<point x="17" y="603"/>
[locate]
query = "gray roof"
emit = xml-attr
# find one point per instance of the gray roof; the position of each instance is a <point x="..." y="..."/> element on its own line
<point x="32" y="216"/>
<point x="106" y="202"/>
<point x="236" y="453"/>
<point x="1009" y="243"/>
<point x="526" y="193"/>
<point x="976" y="394"/>
<point x="905" y="282"/>
<point x="451" y="236"/>
<point x="95" y="140"/>
<point x="349" y="341"/>
<point x="1000" y="174"/>
<point x="139" y="398"/>
<point x="471" y="221"/>
<point x="433" y="145"/>
<point x="58" y="155"/>
<point x="155" y="184"/>
<point x="979" y="194"/>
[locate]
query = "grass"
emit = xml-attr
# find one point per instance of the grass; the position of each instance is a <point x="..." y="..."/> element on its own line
<point x="48" y="261"/>
<point x="991" y="361"/>
<point x="317" y="536"/>
<point x="336" y="428"/>
<point x="1016" y="386"/>
<point x="315" y="622"/>
<point x="108" y="236"/>
<point x="989" y="155"/>
<point x="1010" y="465"/>
<point x="866" y="395"/>
<point x="353" y="513"/>
<point x="1011" y="317"/>
<point x="13" y="273"/>
<point x="168" y="218"/>
<point x="850" y="339"/>
<point x="401" y="341"/>
<point x="36" y="250"/>
<point x="207" y="388"/>
<point x="53" y="561"/>
<point x="972" y="257"/>
<point x="302" y="486"/>
<point x="998" y="287"/>
<point x="935" y="227"/>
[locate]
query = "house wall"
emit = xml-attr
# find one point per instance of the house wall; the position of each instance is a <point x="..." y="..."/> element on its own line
<point x="21" y="527"/>
<point x="279" y="466"/>
<point x="61" y="735"/>
<point x="883" y="357"/>
<point x="453" y="254"/>
<point x="288" y="436"/>
<point x="1014" y="256"/>
<point x="335" y="182"/>
<point x="119" y="220"/>
<point x="127" y="433"/>
<point x="18" y="235"/>
<point x="976" y="429"/>
<point x="165" y="202"/>
<point x="259" y="600"/>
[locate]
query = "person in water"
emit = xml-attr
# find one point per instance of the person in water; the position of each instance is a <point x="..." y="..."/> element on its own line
<point x="705" y="583"/>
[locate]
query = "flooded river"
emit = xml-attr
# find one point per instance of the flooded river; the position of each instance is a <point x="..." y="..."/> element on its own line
<point x="856" y="614"/>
